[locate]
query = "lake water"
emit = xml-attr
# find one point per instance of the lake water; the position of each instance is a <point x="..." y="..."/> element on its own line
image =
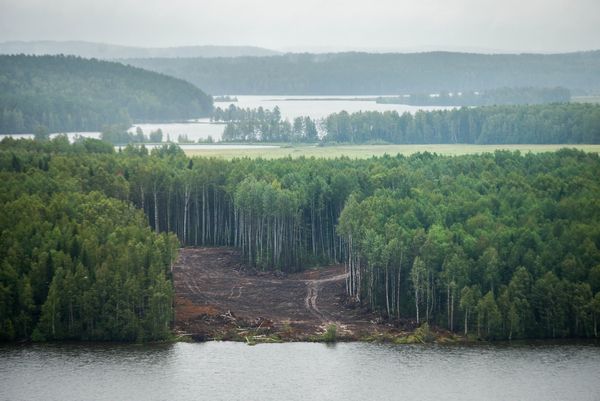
<point x="299" y="371"/>
<point x="315" y="107"/>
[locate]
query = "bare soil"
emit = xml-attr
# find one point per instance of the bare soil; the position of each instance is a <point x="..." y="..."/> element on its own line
<point x="218" y="297"/>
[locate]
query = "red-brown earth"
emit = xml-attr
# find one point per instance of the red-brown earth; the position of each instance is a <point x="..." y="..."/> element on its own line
<point x="218" y="297"/>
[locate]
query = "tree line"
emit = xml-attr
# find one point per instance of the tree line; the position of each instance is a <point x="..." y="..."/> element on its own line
<point x="500" y="245"/>
<point x="381" y="74"/>
<point x="71" y="94"/>
<point x="489" y="97"/>
<point x="264" y="125"/>
<point x="534" y="124"/>
<point x="121" y="135"/>
<point x="531" y="124"/>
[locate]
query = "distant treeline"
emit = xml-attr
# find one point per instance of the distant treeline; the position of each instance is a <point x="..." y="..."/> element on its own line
<point x="225" y="99"/>
<point x="263" y="125"/>
<point x="120" y="135"/>
<point x="69" y="94"/>
<point x="106" y="51"/>
<point x="503" y="245"/>
<point x="501" y="96"/>
<point x="382" y="74"/>
<point x="534" y="124"/>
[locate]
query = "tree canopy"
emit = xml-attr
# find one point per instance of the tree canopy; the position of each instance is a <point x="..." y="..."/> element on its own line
<point x="532" y="124"/>
<point x="498" y="245"/>
<point x="382" y="74"/>
<point x="70" y="94"/>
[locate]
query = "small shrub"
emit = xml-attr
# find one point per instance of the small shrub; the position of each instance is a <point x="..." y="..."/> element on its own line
<point x="330" y="334"/>
<point x="424" y="334"/>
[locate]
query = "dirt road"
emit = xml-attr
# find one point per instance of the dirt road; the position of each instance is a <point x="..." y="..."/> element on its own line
<point x="217" y="296"/>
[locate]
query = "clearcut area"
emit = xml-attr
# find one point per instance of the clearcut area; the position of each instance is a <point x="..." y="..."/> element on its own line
<point x="219" y="297"/>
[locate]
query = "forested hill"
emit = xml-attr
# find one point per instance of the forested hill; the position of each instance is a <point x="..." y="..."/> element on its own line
<point x="382" y="74"/>
<point x="66" y="93"/>
<point x="108" y="51"/>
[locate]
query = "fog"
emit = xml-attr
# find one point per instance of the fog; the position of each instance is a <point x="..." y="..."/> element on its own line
<point x="313" y="25"/>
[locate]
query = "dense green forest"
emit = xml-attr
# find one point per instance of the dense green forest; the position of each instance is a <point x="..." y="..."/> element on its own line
<point x="490" y="97"/>
<point x="531" y="124"/>
<point x="78" y="261"/>
<point x="503" y="245"/>
<point x="70" y="94"/>
<point x="382" y="74"/>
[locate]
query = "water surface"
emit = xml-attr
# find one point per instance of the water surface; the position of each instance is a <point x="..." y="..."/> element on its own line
<point x="315" y="107"/>
<point x="299" y="371"/>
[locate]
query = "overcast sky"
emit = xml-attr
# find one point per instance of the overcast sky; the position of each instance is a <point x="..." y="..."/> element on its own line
<point x="497" y="25"/>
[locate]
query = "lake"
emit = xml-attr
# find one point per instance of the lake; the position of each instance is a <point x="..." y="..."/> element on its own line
<point x="299" y="371"/>
<point x="316" y="107"/>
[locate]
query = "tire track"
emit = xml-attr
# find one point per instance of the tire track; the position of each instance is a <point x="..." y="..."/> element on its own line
<point x="312" y="294"/>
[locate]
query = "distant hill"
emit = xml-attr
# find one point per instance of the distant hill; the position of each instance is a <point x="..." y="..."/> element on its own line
<point x="383" y="74"/>
<point x="108" y="52"/>
<point x="67" y="93"/>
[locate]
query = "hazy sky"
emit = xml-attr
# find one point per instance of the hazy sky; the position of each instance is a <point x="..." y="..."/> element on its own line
<point x="502" y="25"/>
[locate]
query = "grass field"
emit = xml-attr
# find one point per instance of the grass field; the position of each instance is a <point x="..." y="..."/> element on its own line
<point x="585" y="99"/>
<point x="366" y="151"/>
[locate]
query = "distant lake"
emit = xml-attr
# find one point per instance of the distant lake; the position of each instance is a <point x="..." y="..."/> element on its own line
<point x="315" y="107"/>
<point x="299" y="371"/>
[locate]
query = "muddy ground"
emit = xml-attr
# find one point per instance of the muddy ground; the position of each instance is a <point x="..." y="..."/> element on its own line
<point x="218" y="297"/>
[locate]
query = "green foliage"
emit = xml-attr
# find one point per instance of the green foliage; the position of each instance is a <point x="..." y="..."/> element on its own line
<point x="93" y="270"/>
<point x="40" y="133"/>
<point x="70" y="94"/>
<point x="156" y="136"/>
<point x="500" y="245"/>
<point x="330" y="335"/>
<point x="260" y="125"/>
<point x="482" y="241"/>
<point x="423" y="334"/>
<point x="76" y="264"/>
<point x="537" y="124"/>
<point x="520" y="124"/>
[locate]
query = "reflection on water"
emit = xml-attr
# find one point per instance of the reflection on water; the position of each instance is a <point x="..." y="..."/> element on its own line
<point x="299" y="371"/>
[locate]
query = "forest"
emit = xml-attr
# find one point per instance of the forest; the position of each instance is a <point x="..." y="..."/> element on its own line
<point x="499" y="246"/>
<point x="489" y="97"/>
<point x="78" y="261"/>
<point x="561" y="123"/>
<point x="382" y="74"/>
<point x="71" y="94"/>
